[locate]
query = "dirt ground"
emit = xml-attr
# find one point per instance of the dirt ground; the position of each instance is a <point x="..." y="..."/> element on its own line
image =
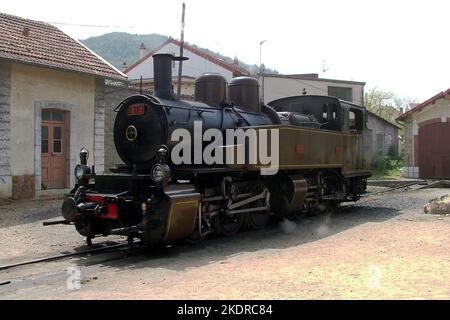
<point x="384" y="247"/>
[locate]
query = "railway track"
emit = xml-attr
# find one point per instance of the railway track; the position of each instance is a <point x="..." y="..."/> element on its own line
<point x="67" y="255"/>
<point x="412" y="186"/>
<point x="416" y="185"/>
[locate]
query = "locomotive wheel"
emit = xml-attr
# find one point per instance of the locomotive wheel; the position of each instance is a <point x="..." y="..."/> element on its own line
<point x="195" y="238"/>
<point x="228" y="225"/>
<point x="257" y="220"/>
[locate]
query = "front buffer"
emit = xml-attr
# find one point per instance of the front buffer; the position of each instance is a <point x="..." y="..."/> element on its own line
<point x="162" y="216"/>
<point x="131" y="205"/>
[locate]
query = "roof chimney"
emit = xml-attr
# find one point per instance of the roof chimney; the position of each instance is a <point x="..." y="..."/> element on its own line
<point x="124" y="66"/>
<point x="142" y="50"/>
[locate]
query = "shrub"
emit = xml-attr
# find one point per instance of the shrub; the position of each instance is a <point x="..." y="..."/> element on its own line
<point x="386" y="165"/>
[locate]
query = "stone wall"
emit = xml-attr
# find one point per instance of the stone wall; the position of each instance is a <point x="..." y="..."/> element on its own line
<point x="5" y="117"/>
<point x="389" y="132"/>
<point x="408" y="154"/>
<point x="23" y="187"/>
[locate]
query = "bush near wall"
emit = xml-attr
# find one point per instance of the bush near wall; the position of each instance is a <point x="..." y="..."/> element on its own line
<point x="389" y="165"/>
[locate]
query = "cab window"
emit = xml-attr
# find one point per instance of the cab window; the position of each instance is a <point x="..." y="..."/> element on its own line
<point x="355" y="121"/>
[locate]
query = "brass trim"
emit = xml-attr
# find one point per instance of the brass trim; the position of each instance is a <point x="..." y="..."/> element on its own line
<point x="169" y="218"/>
<point x="338" y="133"/>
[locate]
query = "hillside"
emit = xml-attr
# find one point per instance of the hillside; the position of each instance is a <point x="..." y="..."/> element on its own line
<point x="119" y="47"/>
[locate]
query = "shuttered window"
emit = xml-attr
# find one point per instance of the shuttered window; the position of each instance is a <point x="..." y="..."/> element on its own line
<point x="344" y="93"/>
<point x="380" y="142"/>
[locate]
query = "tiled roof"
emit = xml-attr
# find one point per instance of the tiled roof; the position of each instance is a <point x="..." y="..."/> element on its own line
<point x="224" y="64"/>
<point x="444" y="94"/>
<point x="39" y="43"/>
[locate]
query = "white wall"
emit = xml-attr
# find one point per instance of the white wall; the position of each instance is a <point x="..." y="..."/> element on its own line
<point x="439" y="109"/>
<point x="278" y="87"/>
<point x="31" y="85"/>
<point x="193" y="67"/>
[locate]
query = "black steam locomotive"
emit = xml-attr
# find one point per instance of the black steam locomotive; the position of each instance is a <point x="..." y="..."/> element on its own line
<point x="320" y="162"/>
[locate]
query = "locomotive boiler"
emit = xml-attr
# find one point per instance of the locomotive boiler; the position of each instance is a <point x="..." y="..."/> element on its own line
<point x="320" y="150"/>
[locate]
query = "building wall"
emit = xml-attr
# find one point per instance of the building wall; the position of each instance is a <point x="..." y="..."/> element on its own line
<point x="99" y="125"/>
<point x="5" y="98"/>
<point x="33" y="88"/>
<point x="193" y="67"/>
<point x="278" y="87"/>
<point x="437" y="111"/>
<point x="187" y="85"/>
<point x="388" y="132"/>
<point x="408" y="155"/>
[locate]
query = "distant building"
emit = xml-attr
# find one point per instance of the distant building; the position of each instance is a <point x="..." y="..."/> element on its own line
<point x="199" y="62"/>
<point x="427" y="138"/>
<point x="51" y="104"/>
<point x="385" y="135"/>
<point x="277" y="86"/>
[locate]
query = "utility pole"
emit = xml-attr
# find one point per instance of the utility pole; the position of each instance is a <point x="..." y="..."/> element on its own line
<point x="261" y="71"/>
<point x="180" y="64"/>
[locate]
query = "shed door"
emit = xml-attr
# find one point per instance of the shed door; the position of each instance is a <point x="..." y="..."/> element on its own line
<point x="434" y="150"/>
<point x="52" y="150"/>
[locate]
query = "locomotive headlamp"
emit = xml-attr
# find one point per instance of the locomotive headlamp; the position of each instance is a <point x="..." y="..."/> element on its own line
<point x="162" y="154"/>
<point x="84" y="156"/>
<point x="160" y="172"/>
<point x="81" y="170"/>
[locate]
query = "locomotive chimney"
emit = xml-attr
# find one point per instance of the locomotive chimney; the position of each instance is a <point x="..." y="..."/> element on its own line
<point x="162" y="75"/>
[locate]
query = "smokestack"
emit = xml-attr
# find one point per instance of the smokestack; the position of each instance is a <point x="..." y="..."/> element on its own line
<point x="162" y="75"/>
<point x="142" y="50"/>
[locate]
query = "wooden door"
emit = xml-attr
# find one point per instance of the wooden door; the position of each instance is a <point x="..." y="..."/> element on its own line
<point x="434" y="150"/>
<point x="53" y="156"/>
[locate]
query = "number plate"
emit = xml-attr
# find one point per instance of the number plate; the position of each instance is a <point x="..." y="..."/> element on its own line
<point x="137" y="109"/>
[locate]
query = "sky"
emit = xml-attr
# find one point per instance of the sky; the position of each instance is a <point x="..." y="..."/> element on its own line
<point x="395" y="45"/>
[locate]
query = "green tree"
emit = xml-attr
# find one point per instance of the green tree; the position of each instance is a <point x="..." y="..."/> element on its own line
<point x="385" y="103"/>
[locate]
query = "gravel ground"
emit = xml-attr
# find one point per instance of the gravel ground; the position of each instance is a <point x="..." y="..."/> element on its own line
<point x="384" y="247"/>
